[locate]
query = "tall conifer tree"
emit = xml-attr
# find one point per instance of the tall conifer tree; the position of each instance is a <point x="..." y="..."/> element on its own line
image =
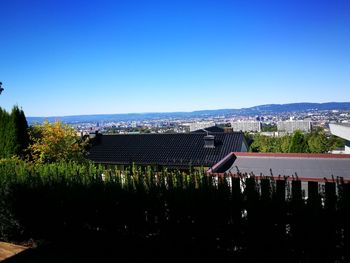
<point x="4" y="121"/>
<point x="21" y="128"/>
<point x="14" y="136"/>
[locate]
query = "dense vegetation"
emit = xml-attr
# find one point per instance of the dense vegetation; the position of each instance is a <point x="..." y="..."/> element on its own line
<point x="43" y="143"/>
<point x="269" y="127"/>
<point x="55" y="142"/>
<point x="314" y="142"/>
<point x="14" y="137"/>
<point x="173" y="213"/>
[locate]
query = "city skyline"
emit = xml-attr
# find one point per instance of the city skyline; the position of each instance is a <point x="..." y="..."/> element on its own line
<point x="62" y="58"/>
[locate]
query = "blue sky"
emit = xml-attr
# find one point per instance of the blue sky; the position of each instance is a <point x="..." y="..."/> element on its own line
<point x="60" y="57"/>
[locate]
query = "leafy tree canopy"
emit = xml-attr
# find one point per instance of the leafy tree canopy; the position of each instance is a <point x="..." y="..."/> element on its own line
<point x="55" y="142"/>
<point x="298" y="143"/>
<point x="315" y="142"/>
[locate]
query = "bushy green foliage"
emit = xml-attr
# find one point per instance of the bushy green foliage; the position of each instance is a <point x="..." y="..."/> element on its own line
<point x="315" y="142"/>
<point x="55" y="142"/>
<point x="298" y="143"/>
<point x="268" y="127"/>
<point x="261" y="143"/>
<point x="318" y="142"/>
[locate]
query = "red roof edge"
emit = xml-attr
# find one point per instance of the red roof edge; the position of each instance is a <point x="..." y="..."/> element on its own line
<point x="288" y="178"/>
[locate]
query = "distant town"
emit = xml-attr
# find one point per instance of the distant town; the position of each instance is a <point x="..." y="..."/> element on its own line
<point x="270" y="120"/>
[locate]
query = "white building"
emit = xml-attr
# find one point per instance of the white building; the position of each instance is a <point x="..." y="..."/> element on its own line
<point x="246" y="126"/>
<point x="194" y="126"/>
<point x="291" y="126"/>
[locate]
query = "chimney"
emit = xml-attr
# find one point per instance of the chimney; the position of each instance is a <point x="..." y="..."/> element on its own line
<point x="209" y="141"/>
<point x="93" y="135"/>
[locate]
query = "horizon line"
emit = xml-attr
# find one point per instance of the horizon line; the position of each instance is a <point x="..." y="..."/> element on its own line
<point x="165" y="112"/>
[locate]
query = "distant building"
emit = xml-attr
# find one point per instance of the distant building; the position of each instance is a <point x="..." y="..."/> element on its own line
<point x="194" y="126"/>
<point x="246" y="126"/>
<point x="342" y="130"/>
<point x="291" y="126"/>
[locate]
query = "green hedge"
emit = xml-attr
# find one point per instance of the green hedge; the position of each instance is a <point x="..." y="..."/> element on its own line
<point x="238" y="215"/>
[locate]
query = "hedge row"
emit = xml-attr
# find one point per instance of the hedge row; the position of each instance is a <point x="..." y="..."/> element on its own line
<point x="239" y="216"/>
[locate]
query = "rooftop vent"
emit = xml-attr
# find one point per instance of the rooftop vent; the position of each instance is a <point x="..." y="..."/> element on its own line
<point x="94" y="135"/>
<point x="209" y="141"/>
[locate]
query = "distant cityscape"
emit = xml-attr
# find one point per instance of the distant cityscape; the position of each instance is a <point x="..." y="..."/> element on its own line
<point x="271" y="120"/>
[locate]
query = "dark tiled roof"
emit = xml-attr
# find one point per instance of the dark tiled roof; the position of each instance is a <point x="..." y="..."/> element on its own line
<point x="210" y="130"/>
<point x="164" y="149"/>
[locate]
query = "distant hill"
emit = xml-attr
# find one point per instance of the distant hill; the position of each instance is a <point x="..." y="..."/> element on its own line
<point x="304" y="106"/>
<point x="256" y="110"/>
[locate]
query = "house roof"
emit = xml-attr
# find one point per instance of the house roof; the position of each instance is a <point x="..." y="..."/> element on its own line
<point x="178" y="149"/>
<point x="341" y="130"/>
<point x="305" y="166"/>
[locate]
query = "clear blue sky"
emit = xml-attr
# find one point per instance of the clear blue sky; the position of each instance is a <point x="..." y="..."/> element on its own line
<point x="67" y="57"/>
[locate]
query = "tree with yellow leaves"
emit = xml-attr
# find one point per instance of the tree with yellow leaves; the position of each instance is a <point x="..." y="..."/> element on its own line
<point x="55" y="142"/>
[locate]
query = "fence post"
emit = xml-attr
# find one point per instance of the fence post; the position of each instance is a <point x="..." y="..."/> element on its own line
<point x="315" y="223"/>
<point x="279" y="219"/>
<point x="237" y="226"/>
<point x="331" y="224"/>
<point x="297" y="225"/>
